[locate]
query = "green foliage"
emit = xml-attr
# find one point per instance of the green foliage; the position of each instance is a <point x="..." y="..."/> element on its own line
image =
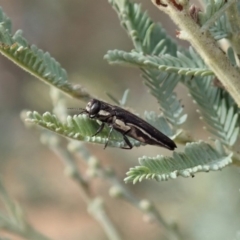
<point x="162" y="88"/>
<point x="159" y="122"/>
<point x="5" y="23"/>
<point x="14" y="220"/>
<point x="182" y="65"/>
<point x="33" y="60"/>
<point x="147" y="37"/>
<point x="197" y="157"/>
<point x="212" y="7"/>
<point x="217" y="109"/>
<point x="164" y="65"/>
<point x="82" y="128"/>
<point x="221" y="29"/>
<point x="151" y="42"/>
<point x="78" y="127"/>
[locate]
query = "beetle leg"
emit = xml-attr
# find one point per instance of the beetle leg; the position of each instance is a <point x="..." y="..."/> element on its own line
<point x="108" y="137"/>
<point x="99" y="129"/>
<point x="130" y="146"/>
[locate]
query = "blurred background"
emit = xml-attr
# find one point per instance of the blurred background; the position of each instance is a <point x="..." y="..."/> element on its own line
<point x="78" y="33"/>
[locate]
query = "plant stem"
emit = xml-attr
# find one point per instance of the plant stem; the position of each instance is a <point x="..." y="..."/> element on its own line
<point x="16" y="222"/>
<point x="95" y="206"/>
<point x="106" y="173"/>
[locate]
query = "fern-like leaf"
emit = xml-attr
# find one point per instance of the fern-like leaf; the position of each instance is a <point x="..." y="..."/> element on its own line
<point x="33" y="60"/>
<point x="197" y="157"/>
<point x="215" y="14"/>
<point x="163" y="68"/>
<point x="221" y="28"/>
<point x="163" y="81"/>
<point x="79" y="128"/>
<point x="146" y="36"/>
<point x="5" y="21"/>
<point x="217" y="109"/>
<point x="211" y="8"/>
<point x="151" y="39"/>
<point x="162" y="88"/>
<point x="181" y="64"/>
<point x="160" y="123"/>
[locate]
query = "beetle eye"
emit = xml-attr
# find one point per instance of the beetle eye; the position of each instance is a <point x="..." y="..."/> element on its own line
<point x="95" y="108"/>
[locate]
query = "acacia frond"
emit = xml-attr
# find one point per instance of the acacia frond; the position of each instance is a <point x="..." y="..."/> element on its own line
<point x="79" y="127"/>
<point x="180" y="64"/>
<point x="163" y="70"/>
<point x="215" y="15"/>
<point x="160" y="123"/>
<point x="33" y="60"/>
<point x="147" y="36"/>
<point x="217" y="109"/>
<point x="221" y="28"/>
<point x="211" y="8"/>
<point x="162" y="86"/>
<point x="197" y="157"/>
<point x="163" y="81"/>
<point x="5" y="21"/>
<point x="151" y="39"/>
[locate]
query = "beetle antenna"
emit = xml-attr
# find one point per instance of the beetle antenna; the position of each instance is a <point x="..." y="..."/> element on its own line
<point x="82" y="110"/>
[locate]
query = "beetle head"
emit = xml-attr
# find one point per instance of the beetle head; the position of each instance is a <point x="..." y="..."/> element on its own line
<point x="93" y="107"/>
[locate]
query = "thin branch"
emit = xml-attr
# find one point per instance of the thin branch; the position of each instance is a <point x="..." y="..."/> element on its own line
<point x="95" y="206"/>
<point x="72" y="170"/>
<point x="120" y="190"/>
<point x="17" y="223"/>
<point x="74" y="91"/>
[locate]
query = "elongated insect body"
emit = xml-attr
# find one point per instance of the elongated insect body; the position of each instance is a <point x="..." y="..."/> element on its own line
<point x="127" y="124"/>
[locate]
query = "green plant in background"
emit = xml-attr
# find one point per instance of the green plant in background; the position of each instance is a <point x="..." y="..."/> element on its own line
<point x="206" y="69"/>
